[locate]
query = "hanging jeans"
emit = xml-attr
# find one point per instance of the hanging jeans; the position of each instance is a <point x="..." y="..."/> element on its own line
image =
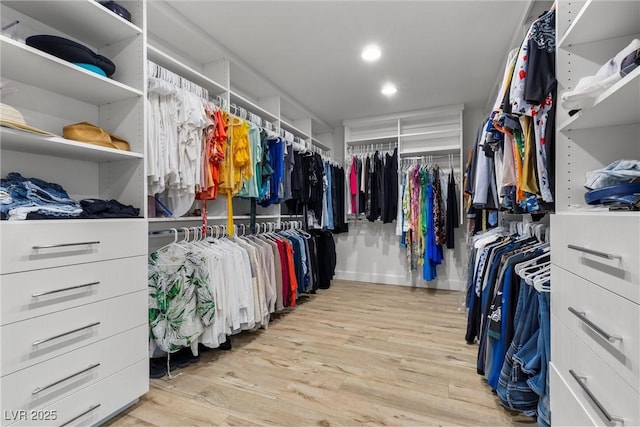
<point x="539" y="383"/>
<point x="513" y="390"/>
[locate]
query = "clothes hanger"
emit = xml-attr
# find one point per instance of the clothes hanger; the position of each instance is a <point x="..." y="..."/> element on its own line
<point x="542" y="283"/>
<point x="545" y="270"/>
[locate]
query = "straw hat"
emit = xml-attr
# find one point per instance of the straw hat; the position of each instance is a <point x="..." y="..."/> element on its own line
<point x="119" y="142"/>
<point x="12" y="118"/>
<point x="92" y="134"/>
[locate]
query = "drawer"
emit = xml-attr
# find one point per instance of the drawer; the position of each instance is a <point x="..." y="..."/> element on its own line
<point x="32" y="341"/>
<point x="48" y="382"/>
<point x="569" y="353"/>
<point x="593" y="237"/>
<point x="29" y="245"/>
<point x="35" y="293"/>
<point x="566" y="409"/>
<point x="94" y="404"/>
<point x="591" y="320"/>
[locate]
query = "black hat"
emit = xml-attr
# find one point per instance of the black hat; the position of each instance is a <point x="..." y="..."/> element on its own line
<point x="71" y="51"/>
<point x="117" y="9"/>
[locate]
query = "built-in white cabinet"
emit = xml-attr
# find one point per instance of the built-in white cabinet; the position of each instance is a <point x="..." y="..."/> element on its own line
<point x="595" y="294"/>
<point x="73" y="322"/>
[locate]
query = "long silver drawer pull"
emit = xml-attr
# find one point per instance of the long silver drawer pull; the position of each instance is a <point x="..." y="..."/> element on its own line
<point x="610" y="418"/>
<point x="70" y="288"/>
<point x="41" y="389"/>
<point x="581" y="315"/>
<point x="64" y="245"/>
<point x="592" y="252"/>
<point x="35" y="343"/>
<point x="91" y="408"/>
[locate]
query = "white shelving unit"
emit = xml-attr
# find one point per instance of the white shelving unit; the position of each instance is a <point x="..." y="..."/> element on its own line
<point x="85" y="383"/>
<point x="242" y="101"/>
<point x="218" y="75"/>
<point x="26" y="142"/>
<point x="163" y="59"/>
<point x="606" y="111"/>
<point x="83" y="20"/>
<point x="24" y="63"/>
<point x="595" y="253"/>
<point x="435" y="133"/>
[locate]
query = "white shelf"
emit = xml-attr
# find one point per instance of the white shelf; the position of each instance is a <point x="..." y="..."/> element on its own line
<point x="430" y="134"/>
<point x="85" y="20"/>
<point x="172" y="64"/>
<point x="93" y="221"/>
<point x="320" y="144"/>
<point x="254" y="108"/>
<point x="212" y="218"/>
<point x="444" y="149"/>
<point x="291" y="128"/>
<point x="597" y="211"/>
<point x="619" y="105"/>
<point x="28" y="142"/>
<point x="173" y="219"/>
<point x="34" y="67"/>
<point x="601" y="20"/>
<point x="372" y="140"/>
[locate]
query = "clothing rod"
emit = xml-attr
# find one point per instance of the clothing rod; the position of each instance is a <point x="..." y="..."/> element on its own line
<point x="429" y="156"/>
<point x="174" y="230"/>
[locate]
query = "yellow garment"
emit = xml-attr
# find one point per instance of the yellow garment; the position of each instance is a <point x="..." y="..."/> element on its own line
<point x="236" y="166"/>
<point x="241" y="152"/>
<point x="529" y="182"/>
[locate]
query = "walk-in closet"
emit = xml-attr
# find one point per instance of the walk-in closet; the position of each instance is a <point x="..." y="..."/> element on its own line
<point x="334" y="213"/>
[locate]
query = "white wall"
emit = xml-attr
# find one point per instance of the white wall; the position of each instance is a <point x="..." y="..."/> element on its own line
<point x="471" y="119"/>
<point x="371" y="252"/>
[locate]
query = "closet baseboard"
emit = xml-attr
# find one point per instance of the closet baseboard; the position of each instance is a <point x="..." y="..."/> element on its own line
<point x="390" y="279"/>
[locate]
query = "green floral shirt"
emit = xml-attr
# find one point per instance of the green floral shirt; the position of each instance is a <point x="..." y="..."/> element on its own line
<point x="181" y="301"/>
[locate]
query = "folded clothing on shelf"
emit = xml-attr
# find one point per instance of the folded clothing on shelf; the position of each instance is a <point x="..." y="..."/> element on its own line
<point x="619" y="195"/>
<point x="71" y="51"/>
<point x="619" y="172"/>
<point x="21" y="196"/>
<point x="32" y="198"/>
<point x="97" y="208"/>
<point x="92" y="134"/>
<point x="590" y="87"/>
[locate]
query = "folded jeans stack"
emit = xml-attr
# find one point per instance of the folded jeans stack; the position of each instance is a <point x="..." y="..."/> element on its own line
<point x="21" y="196"/>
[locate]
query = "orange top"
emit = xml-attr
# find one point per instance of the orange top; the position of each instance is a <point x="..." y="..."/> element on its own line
<point x="293" y="281"/>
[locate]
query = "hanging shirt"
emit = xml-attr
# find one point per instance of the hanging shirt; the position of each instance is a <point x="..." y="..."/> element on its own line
<point x="330" y="199"/>
<point x="353" y="185"/>
<point x="180" y="301"/>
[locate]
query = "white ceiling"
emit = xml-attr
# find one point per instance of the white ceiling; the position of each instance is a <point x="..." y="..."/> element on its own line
<point x="436" y="52"/>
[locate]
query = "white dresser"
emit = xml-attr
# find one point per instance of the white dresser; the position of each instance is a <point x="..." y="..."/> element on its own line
<point x="595" y="294"/>
<point x="73" y="292"/>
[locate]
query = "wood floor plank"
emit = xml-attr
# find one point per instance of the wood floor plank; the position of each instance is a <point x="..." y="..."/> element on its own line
<point x="356" y="354"/>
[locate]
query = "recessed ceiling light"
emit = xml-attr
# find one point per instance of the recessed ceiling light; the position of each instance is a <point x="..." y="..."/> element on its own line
<point x="371" y="53"/>
<point x="388" y="89"/>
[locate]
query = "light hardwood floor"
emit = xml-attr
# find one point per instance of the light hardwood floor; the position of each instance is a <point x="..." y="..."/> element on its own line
<point x="354" y="354"/>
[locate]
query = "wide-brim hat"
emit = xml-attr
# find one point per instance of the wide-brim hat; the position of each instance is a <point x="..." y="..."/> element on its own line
<point x="92" y="134"/>
<point x="12" y="118"/>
